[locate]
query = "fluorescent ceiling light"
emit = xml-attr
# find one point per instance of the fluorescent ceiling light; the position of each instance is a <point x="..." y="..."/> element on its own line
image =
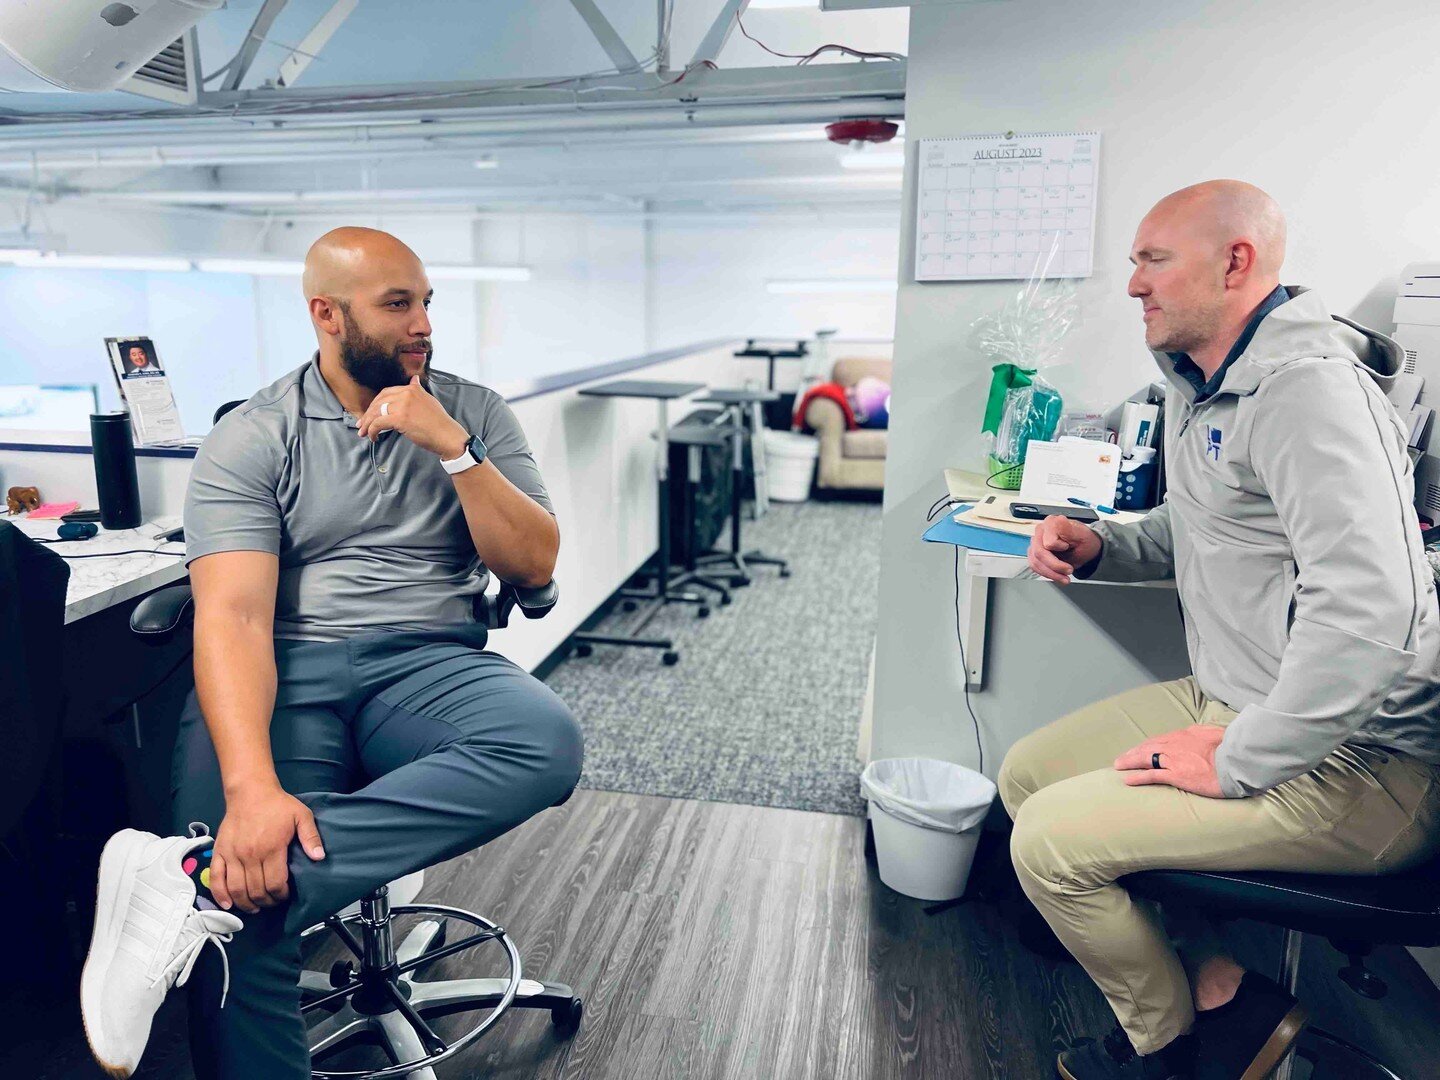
<point x="104" y="262"/>
<point x="25" y="257"/>
<point x="762" y="5"/>
<point x="486" y="163"/>
<point x="258" y="267"/>
<point x="833" y="285"/>
<point x="870" y="159"/>
<point x="478" y="273"/>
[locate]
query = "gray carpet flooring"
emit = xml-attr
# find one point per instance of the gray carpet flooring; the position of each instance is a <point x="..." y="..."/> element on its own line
<point x="764" y="706"/>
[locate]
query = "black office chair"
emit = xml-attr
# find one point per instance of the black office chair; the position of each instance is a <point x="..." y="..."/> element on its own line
<point x="1354" y="913"/>
<point x="381" y="1000"/>
<point x="33" y="582"/>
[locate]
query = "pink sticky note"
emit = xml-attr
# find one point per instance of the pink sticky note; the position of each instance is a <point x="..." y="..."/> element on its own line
<point x="52" y="510"/>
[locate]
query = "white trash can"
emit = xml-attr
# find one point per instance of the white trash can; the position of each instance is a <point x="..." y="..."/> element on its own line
<point x="927" y="816"/>
<point x="790" y="464"/>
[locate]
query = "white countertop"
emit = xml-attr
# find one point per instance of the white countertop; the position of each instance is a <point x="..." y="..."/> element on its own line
<point x="986" y="564"/>
<point x="96" y="584"/>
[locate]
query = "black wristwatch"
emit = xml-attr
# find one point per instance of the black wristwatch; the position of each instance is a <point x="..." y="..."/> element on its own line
<point x="473" y="454"/>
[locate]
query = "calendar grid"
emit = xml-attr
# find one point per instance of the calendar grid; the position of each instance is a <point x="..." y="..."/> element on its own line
<point x="997" y="207"/>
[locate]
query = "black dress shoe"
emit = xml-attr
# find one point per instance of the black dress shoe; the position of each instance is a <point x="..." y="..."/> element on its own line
<point x="1115" y="1059"/>
<point x="1247" y="1036"/>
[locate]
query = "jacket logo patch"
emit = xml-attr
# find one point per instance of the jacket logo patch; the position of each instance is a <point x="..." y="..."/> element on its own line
<point x="1212" y="442"/>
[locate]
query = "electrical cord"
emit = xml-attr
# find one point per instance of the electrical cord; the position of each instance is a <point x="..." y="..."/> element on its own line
<point x="805" y="58"/>
<point x="930" y="515"/>
<point x="965" y="667"/>
<point x="935" y="507"/>
<point x="1018" y="467"/>
<point x="108" y="554"/>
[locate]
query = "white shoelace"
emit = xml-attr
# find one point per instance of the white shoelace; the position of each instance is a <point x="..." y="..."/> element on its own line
<point x="201" y="928"/>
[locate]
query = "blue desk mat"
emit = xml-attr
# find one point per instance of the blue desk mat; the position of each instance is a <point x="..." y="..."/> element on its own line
<point x="949" y="531"/>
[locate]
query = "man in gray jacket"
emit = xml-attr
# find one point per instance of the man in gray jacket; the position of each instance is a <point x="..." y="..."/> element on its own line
<point x="1308" y="738"/>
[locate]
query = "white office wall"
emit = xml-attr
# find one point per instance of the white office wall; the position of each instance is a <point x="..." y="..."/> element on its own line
<point x="584" y="303"/>
<point x="1322" y="108"/>
<point x="709" y="280"/>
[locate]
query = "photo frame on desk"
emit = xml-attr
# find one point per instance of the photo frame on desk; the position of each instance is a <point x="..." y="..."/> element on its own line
<point x="145" y="391"/>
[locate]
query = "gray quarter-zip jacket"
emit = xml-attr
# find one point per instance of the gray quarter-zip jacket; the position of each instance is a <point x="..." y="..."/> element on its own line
<point x="1290" y="530"/>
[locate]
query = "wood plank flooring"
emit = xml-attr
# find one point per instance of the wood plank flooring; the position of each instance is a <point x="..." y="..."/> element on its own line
<point x="720" y="941"/>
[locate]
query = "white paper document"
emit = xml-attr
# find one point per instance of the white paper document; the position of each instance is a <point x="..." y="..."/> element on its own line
<point x="1078" y="469"/>
<point x="992" y="207"/>
<point x="145" y="390"/>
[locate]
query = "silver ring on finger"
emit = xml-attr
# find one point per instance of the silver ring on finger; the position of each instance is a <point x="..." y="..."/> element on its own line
<point x="385" y="408"/>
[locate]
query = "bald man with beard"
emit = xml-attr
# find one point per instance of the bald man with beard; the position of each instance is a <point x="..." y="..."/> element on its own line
<point x="1307" y="738"/>
<point x="348" y="726"/>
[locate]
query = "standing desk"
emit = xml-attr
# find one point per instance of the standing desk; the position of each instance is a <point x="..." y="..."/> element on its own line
<point x="662" y="393"/>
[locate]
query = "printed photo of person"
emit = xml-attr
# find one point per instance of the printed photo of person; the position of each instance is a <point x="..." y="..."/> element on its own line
<point x="139" y="359"/>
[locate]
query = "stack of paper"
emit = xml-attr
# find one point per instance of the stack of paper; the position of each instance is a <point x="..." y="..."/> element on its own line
<point x="988" y="525"/>
<point x="954" y="529"/>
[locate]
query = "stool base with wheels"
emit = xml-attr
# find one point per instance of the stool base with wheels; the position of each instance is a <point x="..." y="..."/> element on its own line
<point x="377" y="997"/>
<point x="382" y="1000"/>
<point x="1355" y="913"/>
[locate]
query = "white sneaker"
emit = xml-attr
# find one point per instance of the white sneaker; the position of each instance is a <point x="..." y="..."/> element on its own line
<point x="148" y="935"/>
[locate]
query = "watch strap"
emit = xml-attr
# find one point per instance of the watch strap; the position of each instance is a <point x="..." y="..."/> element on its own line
<point x="474" y="453"/>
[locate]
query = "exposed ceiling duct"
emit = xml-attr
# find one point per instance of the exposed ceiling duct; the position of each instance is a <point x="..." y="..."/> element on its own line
<point x="90" y="45"/>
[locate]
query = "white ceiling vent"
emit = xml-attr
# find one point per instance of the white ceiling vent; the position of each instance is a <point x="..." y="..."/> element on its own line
<point x="169" y="75"/>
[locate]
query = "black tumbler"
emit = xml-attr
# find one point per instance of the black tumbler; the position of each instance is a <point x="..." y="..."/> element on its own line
<point x="115" y="477"/>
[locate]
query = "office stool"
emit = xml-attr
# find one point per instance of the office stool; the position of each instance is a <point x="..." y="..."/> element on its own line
<point x="1354" y="913"/>
<point x="382" y="1000"/>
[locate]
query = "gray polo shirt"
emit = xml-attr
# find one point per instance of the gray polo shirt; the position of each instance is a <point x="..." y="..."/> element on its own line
<point x="370" y="536"/>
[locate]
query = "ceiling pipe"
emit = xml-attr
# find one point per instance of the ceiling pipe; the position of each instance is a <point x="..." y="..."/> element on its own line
<point x="654" y="117"/>
<point x="231" y="153"/>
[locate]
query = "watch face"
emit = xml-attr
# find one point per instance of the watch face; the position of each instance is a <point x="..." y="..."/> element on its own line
<point x="476" y="449"/>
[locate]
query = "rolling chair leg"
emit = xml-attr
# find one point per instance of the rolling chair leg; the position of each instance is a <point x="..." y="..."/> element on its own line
<point x="1289" y="978"/>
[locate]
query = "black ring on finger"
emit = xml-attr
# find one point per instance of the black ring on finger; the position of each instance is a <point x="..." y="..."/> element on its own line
<point x="1155" y="760"/>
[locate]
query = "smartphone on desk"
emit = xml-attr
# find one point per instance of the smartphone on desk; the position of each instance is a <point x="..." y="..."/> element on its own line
<point x="1040" y="511"/>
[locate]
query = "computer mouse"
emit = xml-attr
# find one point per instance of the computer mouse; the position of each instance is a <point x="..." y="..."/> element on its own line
<point x="77" y="530"/>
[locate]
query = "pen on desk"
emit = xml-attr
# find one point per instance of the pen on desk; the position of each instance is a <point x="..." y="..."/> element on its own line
<point x="1097" y="507"/>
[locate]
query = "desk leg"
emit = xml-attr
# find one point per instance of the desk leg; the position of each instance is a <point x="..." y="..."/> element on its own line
<point x="662" y="473"/>
<point x="978" y="630"/>
<point x="757" y="460"/>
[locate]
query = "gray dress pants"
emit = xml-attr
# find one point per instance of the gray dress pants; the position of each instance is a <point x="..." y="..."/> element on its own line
<point x="409" y="748"/>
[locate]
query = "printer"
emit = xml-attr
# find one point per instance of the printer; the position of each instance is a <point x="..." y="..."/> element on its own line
<point x="1417" y="330"/>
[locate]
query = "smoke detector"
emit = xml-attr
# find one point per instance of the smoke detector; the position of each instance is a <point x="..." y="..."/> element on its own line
<point x="858" y="133"/>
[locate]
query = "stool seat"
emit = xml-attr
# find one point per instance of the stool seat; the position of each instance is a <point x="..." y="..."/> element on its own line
<point x="1398" y="909"/>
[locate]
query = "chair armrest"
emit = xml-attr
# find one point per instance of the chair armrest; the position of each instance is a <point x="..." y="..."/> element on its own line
<point x="826" y="418"/>
<point x="157" y="618"/>
<point x="534" y="602"/>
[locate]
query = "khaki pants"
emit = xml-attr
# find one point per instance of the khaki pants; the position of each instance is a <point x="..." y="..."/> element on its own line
<point x="1078" y="828"/>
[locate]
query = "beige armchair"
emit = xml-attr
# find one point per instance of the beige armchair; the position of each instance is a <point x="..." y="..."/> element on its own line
<point x="849" y="460"/>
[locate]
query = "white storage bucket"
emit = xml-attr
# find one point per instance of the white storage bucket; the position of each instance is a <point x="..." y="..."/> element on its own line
<point x="790" y="464"/>
<point x="927" y="817"/>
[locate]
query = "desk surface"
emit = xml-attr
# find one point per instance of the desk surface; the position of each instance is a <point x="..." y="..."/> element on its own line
<point x="987" y="564"/>
<point x="643" y="388"/>
<point x="96" y="584"/>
